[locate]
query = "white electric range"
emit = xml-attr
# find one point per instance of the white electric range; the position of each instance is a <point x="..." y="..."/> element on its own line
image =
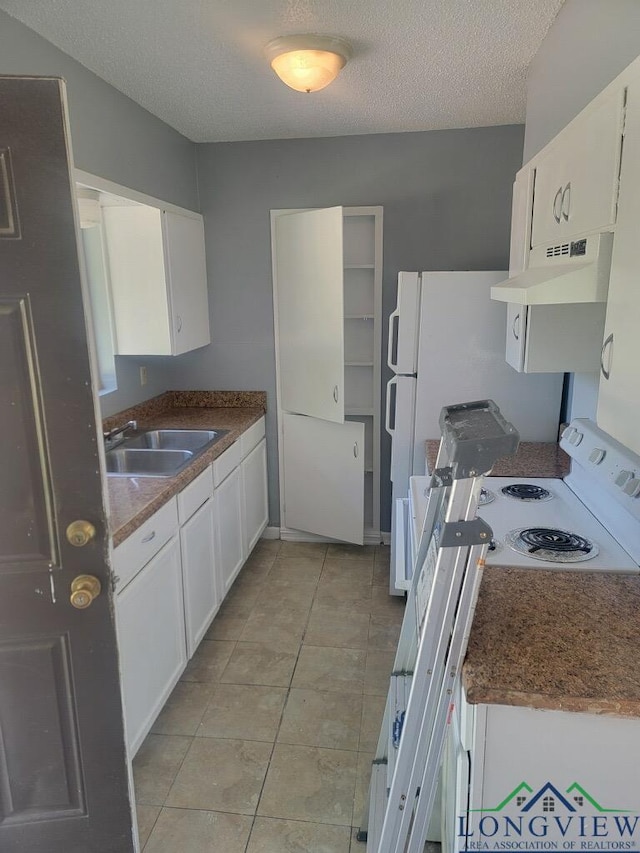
<point x="588" y="521"/>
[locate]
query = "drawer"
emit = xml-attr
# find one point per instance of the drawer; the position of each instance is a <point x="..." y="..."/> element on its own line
<point x="136" y="551"/>
<point x="195" y="494"/>
<point x="252" y="437"/>
<point x="225" y="463"/>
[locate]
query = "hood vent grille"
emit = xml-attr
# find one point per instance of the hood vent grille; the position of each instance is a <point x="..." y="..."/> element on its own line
<point x="573" y="272"/>
<point x="558" y="251"/>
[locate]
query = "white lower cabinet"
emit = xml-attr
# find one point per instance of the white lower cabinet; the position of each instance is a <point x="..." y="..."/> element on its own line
<point x="540" y="779"/>
<point x="254" y="495"/>
<point x="229" y="528"/>
<point x="173" y="572"/>
<point x="151" y="640"/>
<point x="199" y="576"/>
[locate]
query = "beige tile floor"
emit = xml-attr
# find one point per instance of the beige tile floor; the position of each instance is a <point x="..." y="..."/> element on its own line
<point x="265" y="745"/>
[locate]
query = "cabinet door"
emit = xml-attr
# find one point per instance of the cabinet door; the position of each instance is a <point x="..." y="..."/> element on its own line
<point x="618" y="397"/>
<point x="516" y="334"/>
<point x="151" y="640"/>
<point x="576" y="182"/>
<point x="230" y="552"/>
<point x="138" y="279"/>
<point x="254" y="495"/>
<point x="187" y="275"/>
<point x="324" y="477"/>
<point x="199" y="577"/>
<point x="521" y="210"/>
<point x="308" y="278"/>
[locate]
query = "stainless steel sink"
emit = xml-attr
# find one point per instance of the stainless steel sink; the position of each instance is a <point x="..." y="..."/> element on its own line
<point x="131" y="462"/>
<point x="159" y="452"/>
<point x="176" y="439"/>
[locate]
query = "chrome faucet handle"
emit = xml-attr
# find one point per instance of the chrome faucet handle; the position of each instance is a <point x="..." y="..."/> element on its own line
<point x="109" y="435"/>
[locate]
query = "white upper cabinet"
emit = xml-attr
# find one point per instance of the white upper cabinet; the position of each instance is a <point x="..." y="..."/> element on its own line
<point x="158" y="279"/>
<point x="308" y="265"/>
<point x="187" y="279"/>
<point x="521" y="204"/>
<point x="576" y="178"/>
<point x="619" y="391"/>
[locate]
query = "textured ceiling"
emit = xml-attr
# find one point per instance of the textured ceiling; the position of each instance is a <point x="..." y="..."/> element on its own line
<point x="199" y="64"/>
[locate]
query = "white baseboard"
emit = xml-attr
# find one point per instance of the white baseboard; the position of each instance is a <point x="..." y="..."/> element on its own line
<point x="371" y="537"/>
<point x="271" y="533"/>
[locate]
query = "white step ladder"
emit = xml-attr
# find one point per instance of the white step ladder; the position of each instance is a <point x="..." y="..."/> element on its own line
<point x="435" y="630"/>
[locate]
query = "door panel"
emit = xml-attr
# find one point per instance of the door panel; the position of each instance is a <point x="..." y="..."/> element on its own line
<point x="63" y="771"/>
<point x="308" y="268"/>
<point x="25" y="510"/>
<point x="324" y="477"/>
<point x="40" y="763"/>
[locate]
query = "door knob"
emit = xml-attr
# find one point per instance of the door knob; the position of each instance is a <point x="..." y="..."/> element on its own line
<point x="84" y="589"/>
<point x="80" y="532"/>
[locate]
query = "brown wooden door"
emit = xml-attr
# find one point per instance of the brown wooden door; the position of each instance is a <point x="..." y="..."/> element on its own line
<point x="63" y="772"/>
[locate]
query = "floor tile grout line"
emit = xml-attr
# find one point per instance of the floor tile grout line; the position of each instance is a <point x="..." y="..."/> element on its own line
<point x="259" y="578"/>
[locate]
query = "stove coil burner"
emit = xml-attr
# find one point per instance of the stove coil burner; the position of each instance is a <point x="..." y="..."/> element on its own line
<point x="526" y="492"/>
<point x="552" y="545"/>
<point x="486" y="497"/>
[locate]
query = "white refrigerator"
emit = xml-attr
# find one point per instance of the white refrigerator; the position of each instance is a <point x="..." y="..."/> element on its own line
<point x="446" y="346"/>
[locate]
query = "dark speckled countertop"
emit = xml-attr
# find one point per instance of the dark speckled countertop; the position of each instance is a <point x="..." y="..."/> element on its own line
<point x="556" y="640"/>
<point x="553" y="640"/>
<point x="132" y="500"/>
<point x="533" y="459"/>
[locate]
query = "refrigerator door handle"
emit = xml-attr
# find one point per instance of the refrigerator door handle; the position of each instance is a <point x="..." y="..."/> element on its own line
<point x="387" y="418"/>
<point x="394" y="320"/>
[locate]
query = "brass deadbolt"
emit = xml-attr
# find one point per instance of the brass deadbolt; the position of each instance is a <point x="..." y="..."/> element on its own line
<point x="80" y="532"/>
<point x="84" y="589"/>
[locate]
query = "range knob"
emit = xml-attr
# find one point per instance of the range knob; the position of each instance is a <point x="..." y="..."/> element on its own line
<point x="576" y="437"/>
<point x="632" y="487"/>
<point x="567" y="431"/>
<point x="623" y="478"/>
<point x="597" y="455"/>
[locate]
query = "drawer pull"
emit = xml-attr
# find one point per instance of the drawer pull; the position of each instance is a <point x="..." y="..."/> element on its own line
<point x="148" y="538"/>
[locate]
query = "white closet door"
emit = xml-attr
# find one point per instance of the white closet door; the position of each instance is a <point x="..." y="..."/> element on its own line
<point x="324" y="477"/>
<point x="308" y="266"/>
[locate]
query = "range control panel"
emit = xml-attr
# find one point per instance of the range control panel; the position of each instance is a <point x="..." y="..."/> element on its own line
<point x="605" y="475"/>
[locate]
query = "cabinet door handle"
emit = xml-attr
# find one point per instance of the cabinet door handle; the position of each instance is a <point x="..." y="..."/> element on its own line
<point x="148" y="538"/>
<point x="608" y="344"/>
<point x="355" y="450"/>
<point x="516" y="323"/>
<point x="335" y="393"/>
<point x="557" y="205"/>
<point x="179" y="323"/>
<point x="565" y="207"/>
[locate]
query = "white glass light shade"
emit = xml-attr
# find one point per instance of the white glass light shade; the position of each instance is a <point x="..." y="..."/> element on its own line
<point x="307" y="63"/>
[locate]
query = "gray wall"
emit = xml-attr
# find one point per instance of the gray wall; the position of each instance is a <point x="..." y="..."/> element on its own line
<point x="447" y="202"/>
<point x="589" y="44"/>
<point x="116" y="139"/>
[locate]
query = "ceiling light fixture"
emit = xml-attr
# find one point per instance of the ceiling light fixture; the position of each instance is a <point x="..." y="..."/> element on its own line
<point x="308" y="63"/>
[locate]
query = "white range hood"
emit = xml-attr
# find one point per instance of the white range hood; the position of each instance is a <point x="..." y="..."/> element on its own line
<point x="575" y="271"/>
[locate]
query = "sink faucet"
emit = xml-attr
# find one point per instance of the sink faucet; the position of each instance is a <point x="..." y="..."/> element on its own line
<point x="112" y="434"/>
